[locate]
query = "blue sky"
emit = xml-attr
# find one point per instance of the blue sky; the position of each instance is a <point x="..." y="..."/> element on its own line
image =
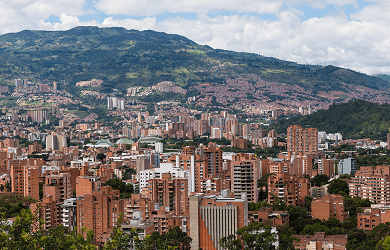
<point x="346" y="33"/>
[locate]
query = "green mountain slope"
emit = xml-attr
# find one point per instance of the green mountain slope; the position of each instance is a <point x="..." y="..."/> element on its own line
<point x="124" y="58"/>
<point x="355" y="119"/>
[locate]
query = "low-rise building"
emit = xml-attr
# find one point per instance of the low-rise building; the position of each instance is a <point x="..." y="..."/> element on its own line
<point x="321" y="241"/>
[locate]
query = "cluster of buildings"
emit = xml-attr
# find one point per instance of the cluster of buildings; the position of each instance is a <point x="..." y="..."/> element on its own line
<point x="198" y="189"/>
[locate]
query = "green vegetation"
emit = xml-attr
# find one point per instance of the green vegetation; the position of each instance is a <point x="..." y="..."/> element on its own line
<point x="355" y="119"/>
<point x="319" y="180"/>
<point x="11" y="205"/>
<point x="117" y="184"/>
<point x="125" y="58"/>
<point x="174" y="239"/>
<point x="26" y="233"/>
<point x="338" y="186"/>
<point x="253" y="236"/>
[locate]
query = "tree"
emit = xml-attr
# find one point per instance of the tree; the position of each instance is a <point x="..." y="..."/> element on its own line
<point x="338" y="186"/>
<point x="308" y="201"/>
<point x="252" y="206"/>
<point x="117" y="184"/>
<point x="254" y="236"/>
<point x="354" y="205"/>
<point x="174" y="239"/>
<point x="384" y="244"/>
<point x="120" y="240"/>
<point x="100" y="157"/>
<point x="299" y="218"/>
<point x="26" y="232"/>
<point x="319" y="180"/>
<point x="286" y="239"/>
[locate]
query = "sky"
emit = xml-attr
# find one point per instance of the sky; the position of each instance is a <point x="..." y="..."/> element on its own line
<point x="352" y="34"/>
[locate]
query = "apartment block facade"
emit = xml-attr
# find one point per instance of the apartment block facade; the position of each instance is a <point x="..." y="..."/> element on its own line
<point x="290" y="188"/>
<point x="371" y="183"/>
<point x="214" y="217"/>
<point x="329" y="206"/>
<point x="99" y="211"/>
<point x="301" y="140"/>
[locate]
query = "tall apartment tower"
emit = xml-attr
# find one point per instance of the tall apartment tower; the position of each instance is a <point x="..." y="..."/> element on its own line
<point x="25" y="181"/>
<point x="18" y="83"/>
<point x="59" y="181"/>
<point x="55" y="142"/>
<point x="170" y="192"/>
<point x="214" y="160"/>
<point x="25" y="83"/>
<point x="347" y="166"/>
<point x="244" y="176"/>
<point x="289" y="188"/>
<point x="37" y="115"/>
<point x="301" y="140"/>
<point x="214" y="217"/>
<point x="99" y="212"/>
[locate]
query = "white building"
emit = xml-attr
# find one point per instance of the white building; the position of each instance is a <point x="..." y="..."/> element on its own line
<point x="156" y="173"/>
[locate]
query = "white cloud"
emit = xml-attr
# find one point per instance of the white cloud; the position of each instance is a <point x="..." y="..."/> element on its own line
<point x="360" y="41"/>
<point x="147" y="23"/>
<point x="154" y="7"/>
<point x="66" y="22"/>
<point x="17" y="15"/>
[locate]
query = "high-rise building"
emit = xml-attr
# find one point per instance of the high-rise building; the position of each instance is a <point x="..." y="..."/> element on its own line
<point x="170" y="192"/>
<point x="25" y="180"/>
<point x="69" y="213"/>
<point x="99" y="211"/>
<point x="214" y="217"/>
<point x="49" y="211"/>
<point x="113" y="102"/>
<point x="25" y="83"/>
<point x="290" y="188"/>
<point x="61" y="181"/>
<point x="347" y="166"/>
<point x="55" y="142"/>
<point x="301" y="140"/>
<point x="326" y="167"/>
<point x="37" y="115"/>
<point x="244" y="176"/>
<point x="18" y="83"/>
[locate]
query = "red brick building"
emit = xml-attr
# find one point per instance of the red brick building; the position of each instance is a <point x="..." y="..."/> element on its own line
<point x="371" y="183"/>
<point x="320" y="241"/>
<point x="99" y="211"/>
<point x="372" y="217"/>
<point x="269" y="217"/>
<point x="329" y="206"/>
<point x="290" y="188"/>
<point x="25" y="181"/>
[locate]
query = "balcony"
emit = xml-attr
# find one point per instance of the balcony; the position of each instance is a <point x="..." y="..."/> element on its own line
<point x="65" y="220"/>
<point x="65" y="215"/>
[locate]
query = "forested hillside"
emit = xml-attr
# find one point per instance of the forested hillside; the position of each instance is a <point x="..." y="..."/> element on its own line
<point x="124" y="58"/>
<point x="355" y="119"/>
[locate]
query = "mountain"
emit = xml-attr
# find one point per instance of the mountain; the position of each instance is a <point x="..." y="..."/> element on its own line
<point x="355" y="119"/>
<point x="124" y="58"/>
